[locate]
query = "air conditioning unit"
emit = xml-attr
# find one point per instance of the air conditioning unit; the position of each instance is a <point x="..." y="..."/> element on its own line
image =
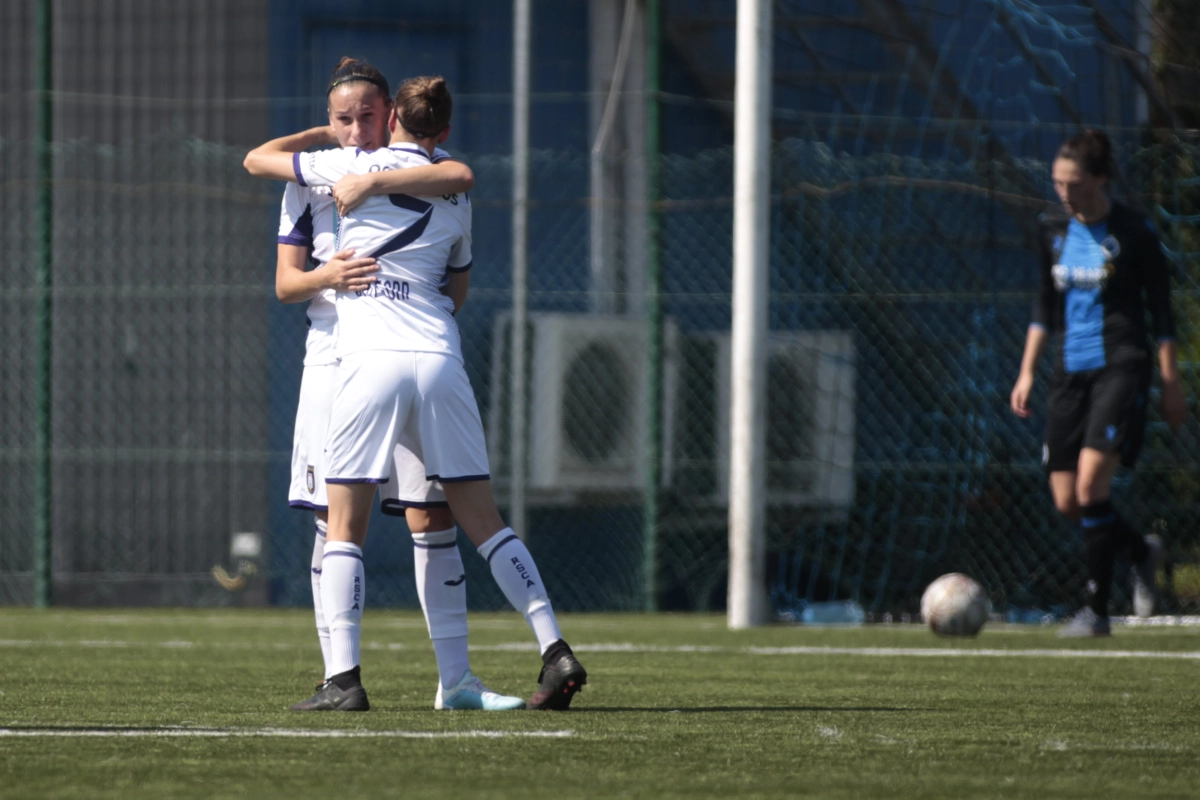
<point x="810" y="408"/>
<point x="588" y="393"/>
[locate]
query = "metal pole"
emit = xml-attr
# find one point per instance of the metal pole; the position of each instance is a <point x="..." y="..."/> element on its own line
<point x="751" y="187"/>
<point x="603" y="283"/>
<point x="654" y="314"/>
<point x="522" y="14"/>
<point x="42" y="564"/>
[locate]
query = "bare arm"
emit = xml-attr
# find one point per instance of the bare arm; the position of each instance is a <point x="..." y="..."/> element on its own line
<point x="457" y="284"/>
<point x="1174" y="403"/>
<point x="295" y="284"/>
<point x="1035" y="343"/>
<point x="274" y="159"/>
<point x="443" y="178"/>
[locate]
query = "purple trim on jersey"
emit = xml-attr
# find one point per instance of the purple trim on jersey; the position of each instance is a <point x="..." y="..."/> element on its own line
<point x="356" y="480"/>
<point x="1165" y="339"/>
<point x="395" y="508"/>
<point x="407" y="236"/>
<point x="296" y="167"/>
<point x="306" y="506"/>
<point x="462" y="479"/>
<point x="1037" y="325"/>
<point x="420" y="151"/>
<point x="302" y="230"/>
<point x="459" y="269"/>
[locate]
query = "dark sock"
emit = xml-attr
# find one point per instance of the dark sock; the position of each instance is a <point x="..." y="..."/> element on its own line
<point x="1139" y="551"/>
<point x="1101" y="534"/>
<point x="346" y="680"/>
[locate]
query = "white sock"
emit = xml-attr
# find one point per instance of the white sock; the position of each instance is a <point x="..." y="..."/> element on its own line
<point x="442" y="589"/>
<point x="452" y="660"/>
<point x="322" y="626"/>
<point x="342" y="599"/>
<point x="517" y="576"/>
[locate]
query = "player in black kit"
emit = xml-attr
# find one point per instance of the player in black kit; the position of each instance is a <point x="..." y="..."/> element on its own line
<point x="1102" y="268"/>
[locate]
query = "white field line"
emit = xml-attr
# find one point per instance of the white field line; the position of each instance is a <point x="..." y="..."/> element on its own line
<point x="628" y="647"/>
<point x="269" y="733"/>
<point x="927" y="652"/>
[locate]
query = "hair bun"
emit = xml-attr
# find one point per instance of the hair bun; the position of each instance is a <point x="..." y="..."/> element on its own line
<point x="424" y="105"/>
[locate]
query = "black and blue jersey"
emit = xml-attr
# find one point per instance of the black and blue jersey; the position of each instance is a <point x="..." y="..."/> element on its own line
<point x="1097" y="282"/>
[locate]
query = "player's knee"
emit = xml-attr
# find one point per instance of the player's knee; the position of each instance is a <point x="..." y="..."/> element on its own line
<point x="1091" y="492"/>
<point x="1067" y="506"/>
<point x="423" y="520"/>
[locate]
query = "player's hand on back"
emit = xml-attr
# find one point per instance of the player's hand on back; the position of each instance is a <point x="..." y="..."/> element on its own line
<point x="1174" y="404"/>
<point x="350" y="192"/>
<point x="1019" y="400"/>
<point x="344" y="273"/>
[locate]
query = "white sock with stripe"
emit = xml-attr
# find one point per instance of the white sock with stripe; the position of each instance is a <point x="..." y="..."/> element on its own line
<point x="442" y="589"/>
<point x="517" y="576"/>
<point x="322" y="627"/>
<point x="342" y="600"/>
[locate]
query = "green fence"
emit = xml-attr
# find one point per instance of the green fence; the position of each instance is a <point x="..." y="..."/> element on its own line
<point x="900" y="294"/>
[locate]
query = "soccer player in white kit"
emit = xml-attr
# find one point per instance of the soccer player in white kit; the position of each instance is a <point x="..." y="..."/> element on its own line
<point x="359" y="104"/>
<point x="401" y="374"/>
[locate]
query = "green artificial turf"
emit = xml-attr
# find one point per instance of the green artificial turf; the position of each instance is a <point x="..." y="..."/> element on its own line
<point x="687" y="709"/>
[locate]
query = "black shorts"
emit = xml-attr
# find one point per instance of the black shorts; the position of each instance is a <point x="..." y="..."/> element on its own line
<point x="1104" y="409"/>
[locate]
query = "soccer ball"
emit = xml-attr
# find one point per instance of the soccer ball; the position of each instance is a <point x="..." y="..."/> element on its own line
<point x="955" y="605"/>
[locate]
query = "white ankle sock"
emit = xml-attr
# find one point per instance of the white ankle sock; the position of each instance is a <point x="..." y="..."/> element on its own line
<point x="322" y="626"/>
<point x="342" y="600"/>
<point x="517" y="576"/>
<point x="442" y="589"/>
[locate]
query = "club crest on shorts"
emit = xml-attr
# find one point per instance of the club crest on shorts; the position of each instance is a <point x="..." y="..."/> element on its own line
<point x="311" y="479"/>
<point x="1045" y="454"/>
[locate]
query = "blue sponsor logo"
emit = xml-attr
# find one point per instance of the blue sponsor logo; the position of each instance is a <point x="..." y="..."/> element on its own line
<point x="1111" y="432"/>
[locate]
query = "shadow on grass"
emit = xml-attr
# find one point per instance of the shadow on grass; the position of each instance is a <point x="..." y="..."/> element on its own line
<point x="739" y="709"/>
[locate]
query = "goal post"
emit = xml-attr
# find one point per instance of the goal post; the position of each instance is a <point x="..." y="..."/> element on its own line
<point x="747" y="600"/>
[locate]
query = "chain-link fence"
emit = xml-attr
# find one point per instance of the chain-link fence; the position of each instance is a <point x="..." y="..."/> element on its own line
<point x="901" y="290"/>
<point x="908" y="172"/>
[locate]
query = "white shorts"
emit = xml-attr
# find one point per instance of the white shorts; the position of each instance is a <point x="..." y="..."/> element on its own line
<point x="386" y="396"/>
<point x="308" y="441"/>
<point x="307" y="490"/>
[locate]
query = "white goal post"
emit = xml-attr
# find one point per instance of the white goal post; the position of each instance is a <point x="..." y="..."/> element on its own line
<point x="747" y="600"/>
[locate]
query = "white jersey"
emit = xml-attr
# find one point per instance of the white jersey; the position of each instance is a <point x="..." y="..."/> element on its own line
<point x="308" y="218"/>
<point x="416" y="241"/>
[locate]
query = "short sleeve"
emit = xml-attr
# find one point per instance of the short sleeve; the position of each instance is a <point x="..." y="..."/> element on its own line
<point x="1156" y="271"/>
<point x="295" y="218"/>
<point x="460" y="253"/>
<point x="324" y="167"/>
